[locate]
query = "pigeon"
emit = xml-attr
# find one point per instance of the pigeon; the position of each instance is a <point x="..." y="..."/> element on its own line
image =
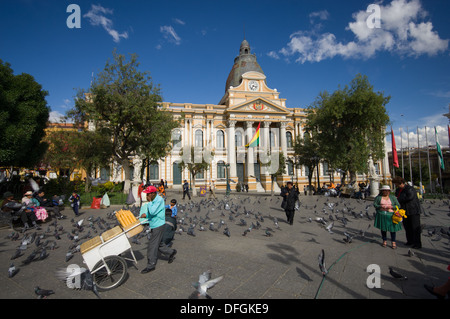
<point x="190" y="231"/>
<point x="268" y="233"/>
<point x="396" y="275"/>
<point x="30" y="258"/>
<point x="43" y="293"/>
<point x="348" y="238"/>
<point x="12" y="271"/>
<point x="322" y="266"/>
<point x="17" y="254"/>
<point x="226" y="232"/>
<point x="410" y="253"/>
<point x="204" y="283"/>
<point x="69" y="256"/>
<point x="43" y="254"/>
<point x="329" y="227"/>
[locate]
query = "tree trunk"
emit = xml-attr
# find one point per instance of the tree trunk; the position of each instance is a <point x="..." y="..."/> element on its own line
<point x="271" y="185"/>
<point x="352" y="177"/>
<point x="126" y="169"/>
<point x="194" y="190"/>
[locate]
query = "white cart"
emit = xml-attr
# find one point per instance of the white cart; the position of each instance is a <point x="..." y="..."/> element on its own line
<point x="101" y="255"/>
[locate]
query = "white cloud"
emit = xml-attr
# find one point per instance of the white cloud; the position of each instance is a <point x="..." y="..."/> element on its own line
<point x="401" y="33"/>
<point x="97" y="17"/>
<point x="169" y="33"/>
<point x="322" y="15"/>
<point x="56" y="117"/>
<point x="179" y="21"/>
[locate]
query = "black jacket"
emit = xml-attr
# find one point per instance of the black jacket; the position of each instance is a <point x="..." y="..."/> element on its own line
<point x="169" y="230"/>
<point x="408" y="200"/>
<point x="290" y="199"/>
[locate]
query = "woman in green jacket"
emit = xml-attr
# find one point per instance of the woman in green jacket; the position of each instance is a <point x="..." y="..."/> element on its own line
<point x="385" y="204"/>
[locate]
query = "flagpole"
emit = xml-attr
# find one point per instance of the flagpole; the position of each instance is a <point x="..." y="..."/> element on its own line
<point x="393" y="159"/>
<point x="420" y="163"/>
<point x="401" y="147"/>
<point x="440" y="158"/>
<point x="409" y="155"/>
<point x="428" y="156"/>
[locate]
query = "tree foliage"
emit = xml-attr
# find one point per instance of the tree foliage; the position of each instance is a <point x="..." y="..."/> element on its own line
<point x="350" y="125"/>
<point x="125" y="105"/>
<point x="23" y="118"/>
<point x="306" y="152"/>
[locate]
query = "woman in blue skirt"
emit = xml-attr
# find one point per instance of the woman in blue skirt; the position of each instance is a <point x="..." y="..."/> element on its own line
<point x="385" y="204"/>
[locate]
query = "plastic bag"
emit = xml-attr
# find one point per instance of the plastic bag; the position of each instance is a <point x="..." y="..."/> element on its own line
<point x="96" y="203"/>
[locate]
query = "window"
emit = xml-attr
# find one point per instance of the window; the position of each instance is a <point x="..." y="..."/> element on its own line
<point x="200" y="175"/>
<point x="199" y="138"/>
<point x="221" y="173"/>
<point x="325" y="167"/>
<point x="104" y="173"/>
<point x="176" y="138"/>
<point x="272" y="139"/>
<point x="289" y="139"/>
<point x="306" y="170"/>
<point x="154" y="171"/>
<point x="220" y="139"/>
<point x="290" y="167"/>
<point x="238" y="138"/>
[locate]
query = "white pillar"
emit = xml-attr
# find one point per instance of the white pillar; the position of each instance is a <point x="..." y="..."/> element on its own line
<point x="231" y="150"/>
<point x="250" y="157"/>
<point x="283" y="139"/>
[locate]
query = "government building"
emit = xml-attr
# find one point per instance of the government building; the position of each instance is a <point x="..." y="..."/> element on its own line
<point x="220" y="133"/>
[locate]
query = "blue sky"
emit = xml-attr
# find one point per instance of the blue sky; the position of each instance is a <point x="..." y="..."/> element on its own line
<point x="303" y="47"/>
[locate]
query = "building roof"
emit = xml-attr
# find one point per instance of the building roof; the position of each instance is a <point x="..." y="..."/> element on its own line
<point x="243" y="63"/>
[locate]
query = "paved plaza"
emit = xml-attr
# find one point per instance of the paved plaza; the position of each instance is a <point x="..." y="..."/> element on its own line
<point x="283" y="265"/>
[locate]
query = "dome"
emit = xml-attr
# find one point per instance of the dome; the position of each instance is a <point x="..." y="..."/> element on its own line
<point x="243" y="63"/>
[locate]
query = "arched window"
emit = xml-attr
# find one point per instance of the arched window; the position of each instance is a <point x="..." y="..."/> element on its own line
<point x="238" y="138"/>
<point x="289" y="140"/>
<point x="220" y="139"/>
<point x="221" y="169"/>
<point x="176" y="138"/>
<point x="199" y="138"/>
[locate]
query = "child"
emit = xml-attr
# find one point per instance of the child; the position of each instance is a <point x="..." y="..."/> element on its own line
<point x="173" y="207"/>
<point x="170" y="227"/>
<point x="75" y="202"/>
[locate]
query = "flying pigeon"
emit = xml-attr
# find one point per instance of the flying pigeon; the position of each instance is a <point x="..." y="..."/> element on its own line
<point x="204" y="283"/>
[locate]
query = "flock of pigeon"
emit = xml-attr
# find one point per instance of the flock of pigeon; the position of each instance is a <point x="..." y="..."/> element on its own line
<point x="204" y="215"/>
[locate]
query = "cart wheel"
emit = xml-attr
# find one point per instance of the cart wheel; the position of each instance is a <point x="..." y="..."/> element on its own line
<point x="107" y="281"/>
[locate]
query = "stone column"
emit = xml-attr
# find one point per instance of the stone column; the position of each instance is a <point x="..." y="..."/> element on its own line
<point x="231" y="151"/>
<point x="266" y="179"/>
<point x="283" y="138"/>
<point x="250" y="158"/>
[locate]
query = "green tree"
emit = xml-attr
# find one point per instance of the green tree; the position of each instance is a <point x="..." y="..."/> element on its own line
<point x="124" y="103"/>
<point x="350" y="126"/>
<point x="274" y="160"/>
<point x="93" y="148"/>
<point x="23" y="118"/>
<point x="61" y="153"/>
<point x="306" y="152"/>
<point x="195" y="160"/>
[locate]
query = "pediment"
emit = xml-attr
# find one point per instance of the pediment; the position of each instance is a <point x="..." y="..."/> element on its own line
<point x="258" y="105"/>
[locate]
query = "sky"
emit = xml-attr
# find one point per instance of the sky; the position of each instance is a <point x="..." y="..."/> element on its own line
<point x="303" y="47"/>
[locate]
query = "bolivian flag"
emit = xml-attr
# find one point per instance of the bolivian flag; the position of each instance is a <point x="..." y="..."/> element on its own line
<point x="255" y="140"/>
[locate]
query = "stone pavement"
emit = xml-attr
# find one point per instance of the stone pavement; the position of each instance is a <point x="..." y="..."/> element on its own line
<point x="283" y="266"/>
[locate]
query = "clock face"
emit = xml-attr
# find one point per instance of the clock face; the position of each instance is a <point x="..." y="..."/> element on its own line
<point x="253" y="86"/>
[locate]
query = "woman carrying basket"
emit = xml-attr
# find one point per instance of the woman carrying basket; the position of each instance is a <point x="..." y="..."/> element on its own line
<point x="385" y="205"/>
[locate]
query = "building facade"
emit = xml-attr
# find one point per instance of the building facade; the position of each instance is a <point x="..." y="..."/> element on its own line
<point x="220" y="132"/>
